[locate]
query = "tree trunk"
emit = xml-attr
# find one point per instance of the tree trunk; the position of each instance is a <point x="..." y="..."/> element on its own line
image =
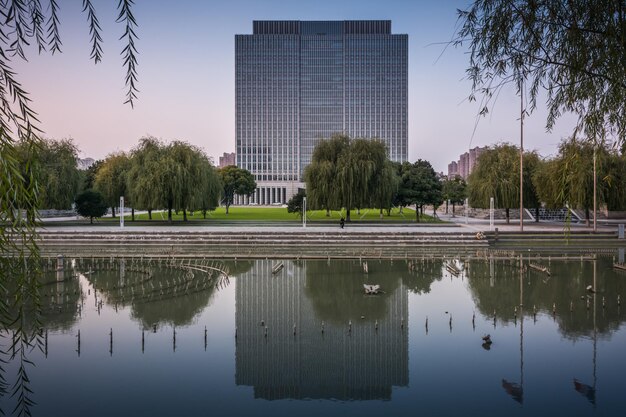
<point x="507" y="216"/>
<point x="587" y="217"/>
<point x="347" y="215"/>
<point x="453" y="209"/>
<point x="113" y="211"/>
<point x="132" y="213"/>
<point x="227" y="205"/>
<point x="204" y="214"/>
<point x="447" y="206"/>
<point x="184" y="215"/>
<point x="150" y="214"/>
<point x="327" y="212"/>
<point x="90" y="220"/>
<point x="169" y="214"/>
<point x="417" y="213"/>
<point x="381" y="213"/>
<point x="536" y="214"/>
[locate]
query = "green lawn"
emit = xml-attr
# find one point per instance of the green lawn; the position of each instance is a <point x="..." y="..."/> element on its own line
<point x="279" y="214"/>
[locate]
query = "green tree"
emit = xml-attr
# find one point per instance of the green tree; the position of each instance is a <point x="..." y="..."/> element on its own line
<point x="419" y="185"/>
<point x="211" y="188"/>
<point x="91" y="203"/>
<point x="143" y="177"/>
<point x="235" y="181"/>
<point x="571" y="52"/>
<point x="60" y="177"/>
<point x="568" y="178"/>
<point x="24" y="23"/>
<point x="89" y="176"/>
<point x="454" y="191"/>
<point x="110" y="179"/>
<point x="321" y="174"/>
<point x="296" y="203"/>
<point x="496" y="175"/>
<point x="182" y="178"/>
<point x="615" y="179"/>
<point x="385" y="188"/>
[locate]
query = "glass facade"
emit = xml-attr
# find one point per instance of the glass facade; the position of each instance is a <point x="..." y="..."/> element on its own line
<point x="298" y="82"/>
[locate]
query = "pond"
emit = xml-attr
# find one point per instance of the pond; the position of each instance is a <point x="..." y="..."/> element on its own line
<point x="475" y="335"/>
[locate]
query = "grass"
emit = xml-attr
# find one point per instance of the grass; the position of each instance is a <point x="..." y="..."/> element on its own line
<point x="279" y="214"/>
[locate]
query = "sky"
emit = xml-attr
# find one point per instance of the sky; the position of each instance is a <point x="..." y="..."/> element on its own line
<point x="187" y="77"/>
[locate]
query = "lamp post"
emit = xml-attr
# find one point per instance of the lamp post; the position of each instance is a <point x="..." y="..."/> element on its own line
<point x="521" y="159"/>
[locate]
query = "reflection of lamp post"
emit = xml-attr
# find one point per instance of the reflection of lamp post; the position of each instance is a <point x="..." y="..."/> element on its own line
<point x="513" y="389"/>
<point x="590" y="391"/>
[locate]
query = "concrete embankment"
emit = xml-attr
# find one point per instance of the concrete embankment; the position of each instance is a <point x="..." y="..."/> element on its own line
<point x="262" y="243"/>
<point x="556" y="242"/>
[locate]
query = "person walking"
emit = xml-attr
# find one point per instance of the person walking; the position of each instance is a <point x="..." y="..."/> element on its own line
<point x="342" y="222"/>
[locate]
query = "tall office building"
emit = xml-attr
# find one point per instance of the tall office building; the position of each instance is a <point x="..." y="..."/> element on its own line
<point x="298" y="82"/>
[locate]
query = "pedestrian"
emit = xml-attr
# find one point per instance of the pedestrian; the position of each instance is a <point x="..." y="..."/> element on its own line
<point x="341" y="222"/>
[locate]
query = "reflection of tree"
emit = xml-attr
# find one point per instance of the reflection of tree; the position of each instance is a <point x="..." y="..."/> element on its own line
<point x="156" y="293"/>
<point x="237" y="267"/>
<point x="420" y="274"/>
<point x="336" y="288"/>
<point x="566" y="284"/>
<point x="58" y="303"/>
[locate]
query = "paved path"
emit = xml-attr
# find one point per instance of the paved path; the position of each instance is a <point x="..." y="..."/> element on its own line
<point x="455" y="225"/>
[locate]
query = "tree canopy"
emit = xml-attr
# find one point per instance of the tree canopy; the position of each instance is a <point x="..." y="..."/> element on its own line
<point x="418" y="185"/>
<point x="235" y="180"/>
<point x="110" y="179"/>
<point x="454" y="191"/>
<point x="346" y="173"/>
<point x="573" y="52"/>
<point x="497" y="175"/>
<point x="91" y="203"/>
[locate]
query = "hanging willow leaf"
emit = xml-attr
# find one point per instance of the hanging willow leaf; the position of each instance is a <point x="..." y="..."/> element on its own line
<point x="129" y="52"/>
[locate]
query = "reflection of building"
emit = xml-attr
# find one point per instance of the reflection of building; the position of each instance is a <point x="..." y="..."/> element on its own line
<point x="297" y="82"/>
<point x="358" y="365"/>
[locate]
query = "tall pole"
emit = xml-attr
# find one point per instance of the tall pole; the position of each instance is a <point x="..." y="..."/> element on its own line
<point x="595" y="182"/>
<point x="521" y="159"/>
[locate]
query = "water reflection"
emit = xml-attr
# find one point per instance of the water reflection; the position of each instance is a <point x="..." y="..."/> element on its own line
<point x="563" y="294"/>
<point x="311" y="332"/>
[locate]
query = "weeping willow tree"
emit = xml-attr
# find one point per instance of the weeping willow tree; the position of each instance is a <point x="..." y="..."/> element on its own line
<point x="497" y="175"/>
<point x="142" y="176"/>
<point x="572" y="53"/>
<point x="346" y="173"/>
<point x="321" y="174"/>
<point x="359" y="169"/>
<point x="34" y="24"/>
<point x="567" y="179"/>
<point x="111" y="179"/>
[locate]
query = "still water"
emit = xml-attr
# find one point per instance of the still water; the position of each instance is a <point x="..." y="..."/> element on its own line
<point x="160" y="339"/>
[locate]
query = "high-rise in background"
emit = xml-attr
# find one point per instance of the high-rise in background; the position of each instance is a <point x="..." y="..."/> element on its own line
<point x="298" y="82"/>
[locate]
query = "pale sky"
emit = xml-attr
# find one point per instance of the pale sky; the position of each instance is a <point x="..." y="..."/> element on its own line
<point x="187" y="77"/>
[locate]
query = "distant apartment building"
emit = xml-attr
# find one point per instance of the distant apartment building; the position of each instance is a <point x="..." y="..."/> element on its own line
<point x="85" y="163"/>
<point x="227" y="159"/>
<point x="298" y="82"/>
<point x="466" y="163"/>
<point x="453" y="170"/>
